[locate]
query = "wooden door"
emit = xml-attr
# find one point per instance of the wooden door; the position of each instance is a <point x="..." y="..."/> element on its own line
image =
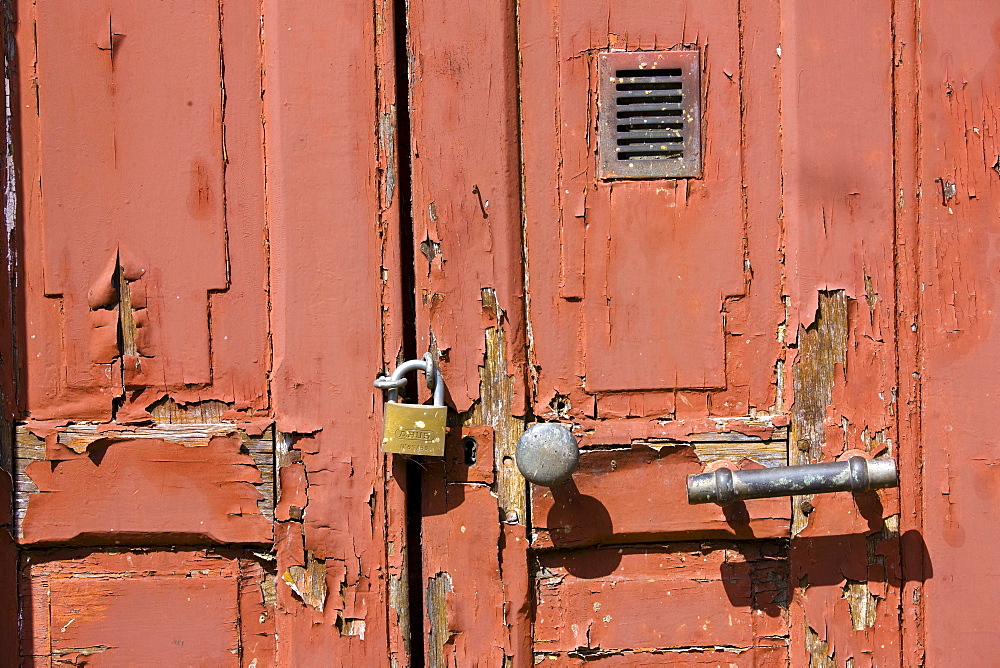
<point x="785" y="304"/>
<point x="226" y="219"/>
<point x="203" y="225"/>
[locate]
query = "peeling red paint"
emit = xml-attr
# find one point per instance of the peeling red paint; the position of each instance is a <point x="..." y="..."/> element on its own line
<point x="96" y="607"/>
<point x="615" y="599"/>
<point x="177" y="169"/>
<point x="147" y="491"/>
<point x="465" y="185"/>
<point x="955" y="319"/>
<point x="599" y="506"/>
<point x="204" y="254"/>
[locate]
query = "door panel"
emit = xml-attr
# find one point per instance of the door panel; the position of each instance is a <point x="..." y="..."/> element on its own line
<point x="207" y="241"/>
<point x="671" y="597"/>
<point x="725" y="304"/>
<point x="141" y="164"/>
<point x="600" y="505"/>
<point x="956" y="169"/>
<point x="631" y="281"/>
<point x="467" y="236"/>
<point x="188" y="607"/>
<point x="672" y="322"/>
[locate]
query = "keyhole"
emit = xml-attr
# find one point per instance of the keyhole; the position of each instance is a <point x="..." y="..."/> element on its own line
<point x="469" y="445"/>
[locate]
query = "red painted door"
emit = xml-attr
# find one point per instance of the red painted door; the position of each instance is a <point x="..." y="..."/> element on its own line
<point x="226" y="219"/>
<point x="786" y="302"/>
<point x="203" y="229"/>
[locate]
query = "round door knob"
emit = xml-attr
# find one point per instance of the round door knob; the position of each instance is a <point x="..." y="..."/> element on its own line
<point x="547" y="453"/>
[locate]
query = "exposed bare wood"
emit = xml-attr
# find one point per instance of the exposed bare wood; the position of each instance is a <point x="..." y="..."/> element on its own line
<point x="495" y="409"/>
<point x="438" y="631"/>
<point x="822" y="351"/>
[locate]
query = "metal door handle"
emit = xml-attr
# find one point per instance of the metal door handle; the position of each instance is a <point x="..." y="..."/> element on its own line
<point x="725" y="486"/>
<point x="547" y="454"/>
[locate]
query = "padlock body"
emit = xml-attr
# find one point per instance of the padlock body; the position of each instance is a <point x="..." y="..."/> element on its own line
<point x="414" y="430"/>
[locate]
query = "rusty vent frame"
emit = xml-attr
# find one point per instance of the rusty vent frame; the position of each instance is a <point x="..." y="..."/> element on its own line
<point x="649" y="115"/>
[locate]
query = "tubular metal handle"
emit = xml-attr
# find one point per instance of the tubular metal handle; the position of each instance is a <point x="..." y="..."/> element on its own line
<point x="724" y="486"/>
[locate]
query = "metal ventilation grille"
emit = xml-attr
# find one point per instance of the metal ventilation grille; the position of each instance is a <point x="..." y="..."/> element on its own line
<point x="649" y="115"/>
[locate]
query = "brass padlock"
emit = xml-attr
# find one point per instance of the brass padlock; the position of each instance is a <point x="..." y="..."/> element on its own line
<point x="412" y="429"/>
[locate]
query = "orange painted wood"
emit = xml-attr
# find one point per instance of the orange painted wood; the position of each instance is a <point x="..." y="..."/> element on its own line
<point x="755" y="657"/>
<point x="9" y="626"/>
<point x="459" y="546"/>
<point x="956" y="215"/>
<point x="839" y="201"/>
<point x="460" y="541"/>
<point x="639" y="495"/>
<point x="133" y="607"/>
<point x="161" y="157"/>
<point x="327" y="244"/>
<point x="678" y="596"/>
<point x="131" y="151"/>
<point x="466" y="185"/>
<point x="236" y="164"/>
<point x="148" y="491"/>
<point x="466" y="217"/>
<point x="659" y="258"/>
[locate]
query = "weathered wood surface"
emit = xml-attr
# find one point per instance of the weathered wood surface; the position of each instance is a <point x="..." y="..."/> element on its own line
<point x="639" y="495"/>
<point x="329" y="235"/>
<point x="209" y="240"/>
<point x="155" y="116"/>
<point x="682" y="597"/>
<point x="9" y="612"/>
<point x="149" y="486"/>
<point x="837" y="125"/>
<point x="203" y="232"/>
<point x="956" y="216"/>
<point x="470" y="291"/>
<point x="632" y="283"/>
<point x="140" y="607"/>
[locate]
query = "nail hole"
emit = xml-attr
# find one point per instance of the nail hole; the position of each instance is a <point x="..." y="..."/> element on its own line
<point x="560" y="404"/>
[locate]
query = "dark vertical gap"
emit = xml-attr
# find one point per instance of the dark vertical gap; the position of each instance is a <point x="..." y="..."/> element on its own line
<point x="15" y="628"/>
<point x="116" y="283"/>
<point x="414" y="478"/>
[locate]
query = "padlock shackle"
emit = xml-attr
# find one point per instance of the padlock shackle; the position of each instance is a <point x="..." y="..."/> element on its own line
<point x="413" y="365"/>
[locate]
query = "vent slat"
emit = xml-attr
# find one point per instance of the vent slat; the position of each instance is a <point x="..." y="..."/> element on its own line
<point x="673" y="111"/>
<point x="650" y="85"/>
<point x="652" y="123"/>
<point x="650" y="155"/>
<point x="650" y="135"/>
<point x="655" y="72"/>
<point x="651" y="149"/>
<point x="652" y="98"/>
